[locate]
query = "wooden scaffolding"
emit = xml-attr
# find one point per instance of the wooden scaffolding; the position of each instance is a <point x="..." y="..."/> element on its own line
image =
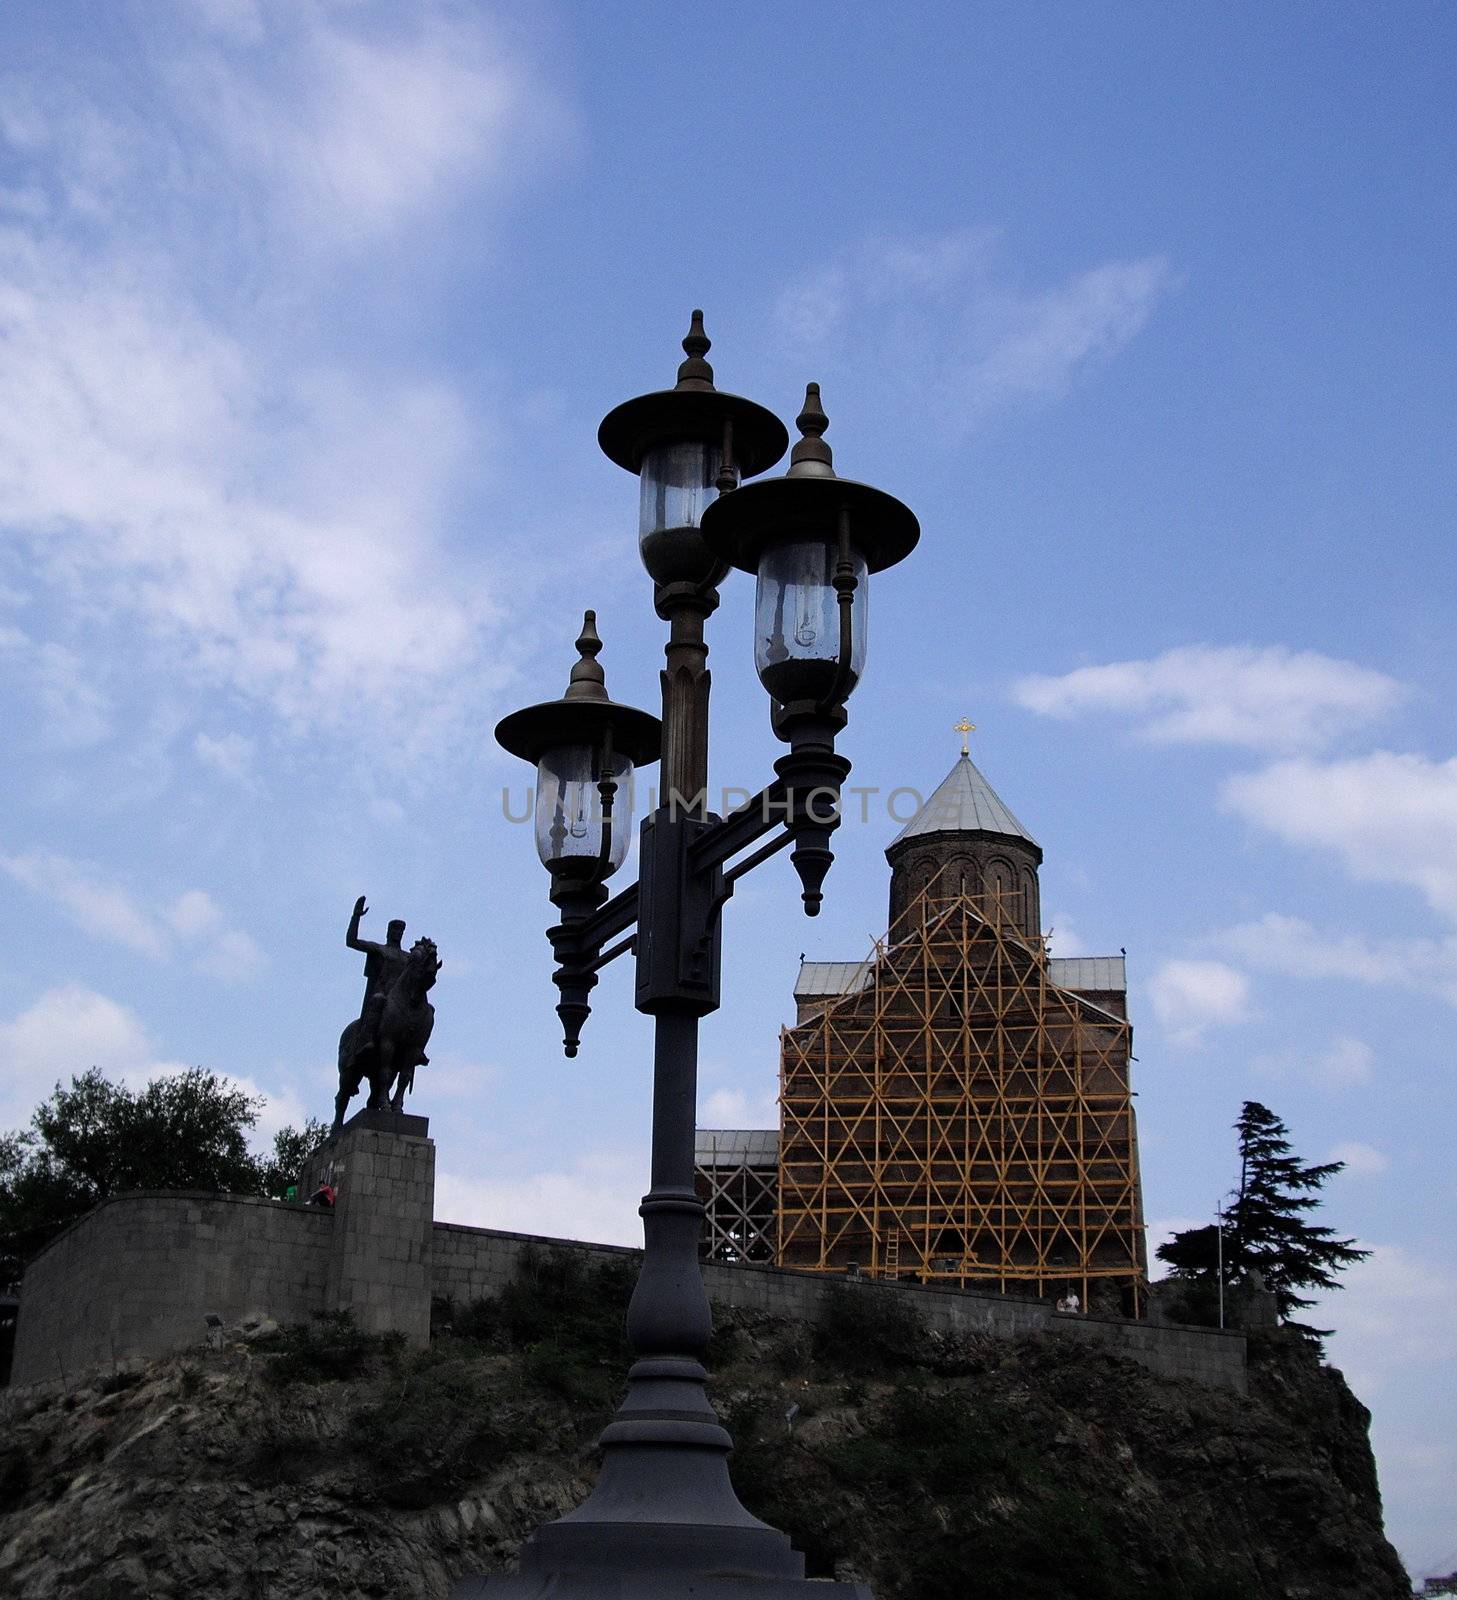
<point x="960" y="1118"/>
<point x="736" y="1175"/>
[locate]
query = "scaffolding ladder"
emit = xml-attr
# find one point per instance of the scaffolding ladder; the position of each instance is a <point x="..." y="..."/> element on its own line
<point x="893" y="1254"/>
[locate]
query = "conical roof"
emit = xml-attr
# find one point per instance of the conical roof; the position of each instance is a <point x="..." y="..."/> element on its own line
<point x="964" y="803"/>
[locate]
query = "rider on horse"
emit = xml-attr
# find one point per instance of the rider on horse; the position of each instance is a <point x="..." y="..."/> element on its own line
<point x="388" y="1040"/>
<point x="383" y="963"/>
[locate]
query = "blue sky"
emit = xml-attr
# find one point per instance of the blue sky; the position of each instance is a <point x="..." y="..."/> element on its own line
<point x="310" y="310"/>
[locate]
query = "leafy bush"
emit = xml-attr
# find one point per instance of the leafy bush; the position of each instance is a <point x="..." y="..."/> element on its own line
<point x="566" y="1313"/>
<point x="448" y="1421"/>
<point x="331" y="1348"/>
<point x="1055" y="1546"/>
<point x="116" y="1382"/>
<point x="863" y="1329"/>
<point x="785" y="1500"/>
<point x="282" y="1454"/>
<point x="15" y="1476"/>
<point x="562" y="1295"/>
<point x="442" y="1428"/>
<point x="941" y="1439"/>
<point x="479" y="1321"/>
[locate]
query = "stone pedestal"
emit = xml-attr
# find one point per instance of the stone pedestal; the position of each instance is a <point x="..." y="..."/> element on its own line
<point x="382" y="1167"/>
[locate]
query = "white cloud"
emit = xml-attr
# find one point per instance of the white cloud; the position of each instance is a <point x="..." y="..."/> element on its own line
<point x="233" y="956"/>
<point x="1044" y="339"/>
<point x="596" y="1200"/>
<point x="355" y="132"/>
<point x="1065" y="939"/>
<point x="1343" y="1062"/>
<point x="68" y="1030"/>
<point x="1388" y="817"/>
<point x="241" y="20"/>
<point x="75" y="710"/>
<point x="813" y="307"/>
<point x="71" y="1028"/>
<point x="230" y="754"/>
<point x="1339" y="1064"/>
<point x="128" y="426"/>
<point x="281" y="1108"/>
<point x="1270" y="698"/>
<point x="452" y="1076"/>
<point x="1392" y="1313"/>
<point x="740" y="1108"/>
<point x="179" y="464"/>
<point x="1190" y="997"/>
<point x="193" y="912"/>
<point x="1396" y="1342"/>
<point x="1294" y="948"/>
<point x="101" y="906"/>
<point x="1362" y="1160"/>
<point x="933" y="315"/>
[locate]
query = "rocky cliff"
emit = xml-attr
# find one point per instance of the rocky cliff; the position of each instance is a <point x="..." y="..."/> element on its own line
<point x="323" y="1465"/>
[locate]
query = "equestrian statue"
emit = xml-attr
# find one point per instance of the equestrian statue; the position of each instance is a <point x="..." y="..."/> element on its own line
<point x="386" y="1042"/>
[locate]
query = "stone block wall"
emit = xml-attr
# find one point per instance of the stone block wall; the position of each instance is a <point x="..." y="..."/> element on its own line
<point x="383" y="1169"/>
<point x="1199" y="1355"/>
<point x="474" y="1263"/>
<point x="138" y="1275"/>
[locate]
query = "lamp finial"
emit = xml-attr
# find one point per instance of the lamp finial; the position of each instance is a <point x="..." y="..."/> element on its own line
<point x="811" y="456"/>
<point x="587" y="680"/>
<point x="695" y="372"/>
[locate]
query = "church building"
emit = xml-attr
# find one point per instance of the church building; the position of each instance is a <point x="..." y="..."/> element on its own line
<point x="955" y="1108"/>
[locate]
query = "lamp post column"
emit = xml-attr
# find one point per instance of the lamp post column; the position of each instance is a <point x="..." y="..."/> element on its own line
<point x="685" y="607"/>
<point x="663" y="1522"/>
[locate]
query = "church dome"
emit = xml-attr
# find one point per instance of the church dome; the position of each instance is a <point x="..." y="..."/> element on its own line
<point x="965" y="839"/>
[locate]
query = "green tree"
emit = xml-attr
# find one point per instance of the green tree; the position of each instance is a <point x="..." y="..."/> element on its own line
<point x="1266" y="1225"/>
<point x="292" y="1147"/>
<point x="94" y="1139"/>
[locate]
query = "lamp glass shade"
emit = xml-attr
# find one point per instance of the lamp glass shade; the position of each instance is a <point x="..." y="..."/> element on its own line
<point x="569" y="817"/>
<point x="797" y="621"/>
<point x="677" y="481"/>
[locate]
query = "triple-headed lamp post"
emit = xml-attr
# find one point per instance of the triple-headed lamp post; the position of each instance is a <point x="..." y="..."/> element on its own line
<point x="663" y="1520"/>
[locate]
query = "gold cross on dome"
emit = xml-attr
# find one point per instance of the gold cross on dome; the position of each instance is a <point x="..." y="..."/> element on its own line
<point x="966" y="727"/>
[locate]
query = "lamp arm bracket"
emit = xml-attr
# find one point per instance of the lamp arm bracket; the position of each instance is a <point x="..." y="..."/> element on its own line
<point x="722" y="841"/>
<point x="748" y="864"/>
<point x="616" y="916"/>
<point x="621" y="948"/>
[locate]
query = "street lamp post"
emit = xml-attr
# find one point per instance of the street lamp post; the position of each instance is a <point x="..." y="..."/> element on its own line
<point x="663" y="1520"/>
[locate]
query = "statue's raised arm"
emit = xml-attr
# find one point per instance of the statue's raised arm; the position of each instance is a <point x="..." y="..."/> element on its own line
<point x="352" y="939"/>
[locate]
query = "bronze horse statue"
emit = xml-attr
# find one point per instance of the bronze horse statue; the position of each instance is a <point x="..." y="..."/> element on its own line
<point x="387" y="1044"/>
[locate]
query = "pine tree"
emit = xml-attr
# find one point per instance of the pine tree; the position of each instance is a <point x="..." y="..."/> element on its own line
<point x="1266" y="1226"/>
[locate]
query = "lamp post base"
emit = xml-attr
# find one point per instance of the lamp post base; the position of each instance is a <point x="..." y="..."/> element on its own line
<point x="652" y="1586"/>
<point x="663" y="1523"/>
<point x="662" y="1562"/>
